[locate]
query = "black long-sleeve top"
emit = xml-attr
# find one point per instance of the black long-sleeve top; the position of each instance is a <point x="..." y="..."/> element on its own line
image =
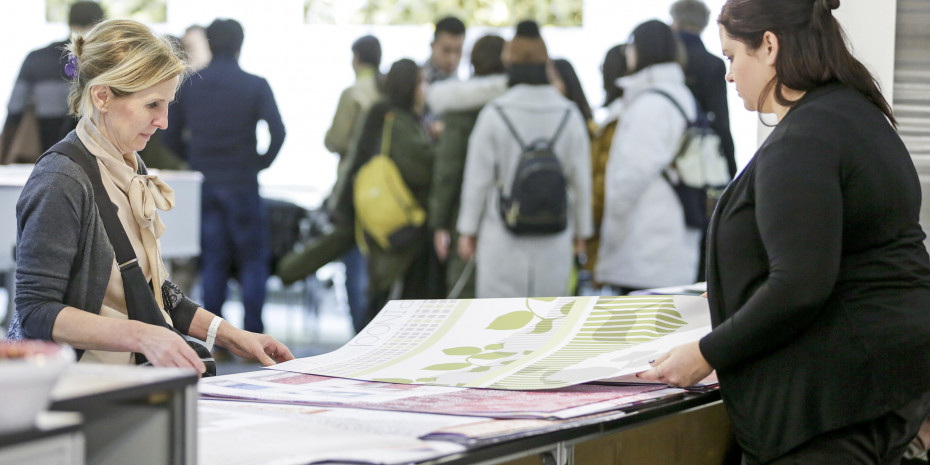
<point x="818" y="278"/>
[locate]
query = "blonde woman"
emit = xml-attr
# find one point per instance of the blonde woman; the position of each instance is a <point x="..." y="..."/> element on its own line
<point x="69" y="287"/>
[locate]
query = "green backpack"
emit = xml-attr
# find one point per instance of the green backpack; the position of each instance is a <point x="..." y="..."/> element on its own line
<point x="385" y="209"/>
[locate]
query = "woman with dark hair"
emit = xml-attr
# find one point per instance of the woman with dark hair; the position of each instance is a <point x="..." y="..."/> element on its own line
<point x="645" y="241"/>
<point x="818" y="279"/>
<point x="399" y="273"/>
<point x="614" y="68"/>
<point x="566" y="81"/>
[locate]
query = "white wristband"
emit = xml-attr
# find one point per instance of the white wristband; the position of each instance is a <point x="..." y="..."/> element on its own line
<point x="211" y="332"/>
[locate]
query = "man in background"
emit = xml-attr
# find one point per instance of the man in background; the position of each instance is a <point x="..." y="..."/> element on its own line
<point x="219" y="109"/>
<point x="341" y="139"/>
<point x="448" y="40"/>
<point x="41" y="91"/>
<point x="705" y="76"/>
<point x="704" y="72"/>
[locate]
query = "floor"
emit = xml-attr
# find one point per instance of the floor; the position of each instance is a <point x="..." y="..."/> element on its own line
<point x="310" y="317"/>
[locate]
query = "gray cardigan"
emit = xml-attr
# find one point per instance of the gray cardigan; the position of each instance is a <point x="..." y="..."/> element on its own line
<point x="63" y="254"/>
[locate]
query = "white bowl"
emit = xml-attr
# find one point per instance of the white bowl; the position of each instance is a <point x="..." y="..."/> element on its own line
<point x="28" y="372"/>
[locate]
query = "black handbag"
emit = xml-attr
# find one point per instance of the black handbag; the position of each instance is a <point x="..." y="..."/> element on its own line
<point x="140" y="297"/>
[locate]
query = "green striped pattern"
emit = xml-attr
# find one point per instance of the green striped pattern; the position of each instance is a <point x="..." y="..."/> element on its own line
<point x="615" y="323"/>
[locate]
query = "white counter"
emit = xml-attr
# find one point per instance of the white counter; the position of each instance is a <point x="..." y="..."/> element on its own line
<point x="182" y="224"/>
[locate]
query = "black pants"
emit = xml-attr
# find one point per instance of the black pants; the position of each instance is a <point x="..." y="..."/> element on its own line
<point x="880" y="441"/>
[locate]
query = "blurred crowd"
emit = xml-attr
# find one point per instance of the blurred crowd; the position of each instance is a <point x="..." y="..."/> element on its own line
<point x="499" y="185"/>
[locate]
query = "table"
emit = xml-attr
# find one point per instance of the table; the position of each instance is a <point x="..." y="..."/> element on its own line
<point x="694" y="429"/>
<point x="130" y="413"/>
<point x="56" y="439"/>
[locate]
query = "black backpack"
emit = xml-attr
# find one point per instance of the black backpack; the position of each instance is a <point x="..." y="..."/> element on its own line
<point x="538" y="200"/>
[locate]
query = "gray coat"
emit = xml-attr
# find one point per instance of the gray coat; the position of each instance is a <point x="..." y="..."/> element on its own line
<point x="63" y="253"/>
<point x="524" y="266"/>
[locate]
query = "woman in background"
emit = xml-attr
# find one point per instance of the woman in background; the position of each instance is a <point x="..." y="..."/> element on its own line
<point x="400" y="273"/>
<point x="614" y="68"/>
<point x="645" y="241"/>
<point x="523" y="265"/>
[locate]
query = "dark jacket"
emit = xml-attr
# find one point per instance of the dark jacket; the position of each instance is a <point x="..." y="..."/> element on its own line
<point x="42" y="83"/>
<point x="220" y="107"/>
<point x="63" y="253"/>
<point x="449" y="169"/>
<point x="705" y="75"/>
<point x="818" y="279"/>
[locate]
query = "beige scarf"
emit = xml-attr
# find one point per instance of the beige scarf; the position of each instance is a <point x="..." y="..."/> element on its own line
<point x="144" y="195"/>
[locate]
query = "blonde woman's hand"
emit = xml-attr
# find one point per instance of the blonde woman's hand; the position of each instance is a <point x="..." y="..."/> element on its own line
<point x="262" y="347"/>
<point x="165" y="348"/>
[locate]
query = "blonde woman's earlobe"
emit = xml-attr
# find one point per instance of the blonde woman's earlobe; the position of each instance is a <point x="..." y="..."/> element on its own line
<point x="100" y="97"/>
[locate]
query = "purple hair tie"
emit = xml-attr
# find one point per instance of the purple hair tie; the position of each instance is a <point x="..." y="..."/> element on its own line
<point x="71" y="68"/>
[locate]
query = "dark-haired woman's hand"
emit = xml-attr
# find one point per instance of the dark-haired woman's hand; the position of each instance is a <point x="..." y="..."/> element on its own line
<point x="682" y="366"/>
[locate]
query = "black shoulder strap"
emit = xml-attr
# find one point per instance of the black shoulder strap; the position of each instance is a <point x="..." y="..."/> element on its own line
<point x="125" y="256"/>
<point x="674" y="102"/>
<point x="558" y="131"/>
<point x="512" y="129"/>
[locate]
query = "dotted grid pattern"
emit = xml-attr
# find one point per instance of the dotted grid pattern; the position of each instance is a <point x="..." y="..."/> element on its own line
<point x="428" y="316"/>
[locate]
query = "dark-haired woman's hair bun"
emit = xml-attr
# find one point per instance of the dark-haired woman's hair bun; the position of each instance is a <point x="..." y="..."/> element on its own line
<point x="528" y="28"/>
<point x="828" y="5"/>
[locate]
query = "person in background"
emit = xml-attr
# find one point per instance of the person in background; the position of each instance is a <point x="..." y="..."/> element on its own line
<point x="42" y="86"/>
<point x="69" y="286"/>
<point x="507" y="264"/>
<point x="197" y="47"/>
<point x="446" y="50"/>
<point x="644" y="239"/>
<point x="704" y="76"/>
<point x="449" y="167"/>
<point x="341" y="138"/>
<point x="613" y="68"/>
<point x="399" y="273"/>
<point x="565" y="79"/>
<point x="443" y="62"/>
<point x="818" y="280"/>
<point x="220" y="108"/>
<point x="704" y="71"/>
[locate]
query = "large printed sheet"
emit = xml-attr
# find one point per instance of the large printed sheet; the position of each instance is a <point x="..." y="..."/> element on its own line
<point x="301" y="389"/>
<point x="517" y="344"/>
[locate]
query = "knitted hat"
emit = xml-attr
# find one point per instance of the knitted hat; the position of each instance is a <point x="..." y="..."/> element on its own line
<point x="526" y="47"/>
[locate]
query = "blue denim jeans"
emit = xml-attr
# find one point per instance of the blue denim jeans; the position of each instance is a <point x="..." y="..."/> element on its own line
<point x="234" y="236"/>
<point x="356" y="286"/>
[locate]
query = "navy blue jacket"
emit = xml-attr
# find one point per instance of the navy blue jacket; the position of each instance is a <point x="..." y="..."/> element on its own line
<point x="212" y="123"/>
